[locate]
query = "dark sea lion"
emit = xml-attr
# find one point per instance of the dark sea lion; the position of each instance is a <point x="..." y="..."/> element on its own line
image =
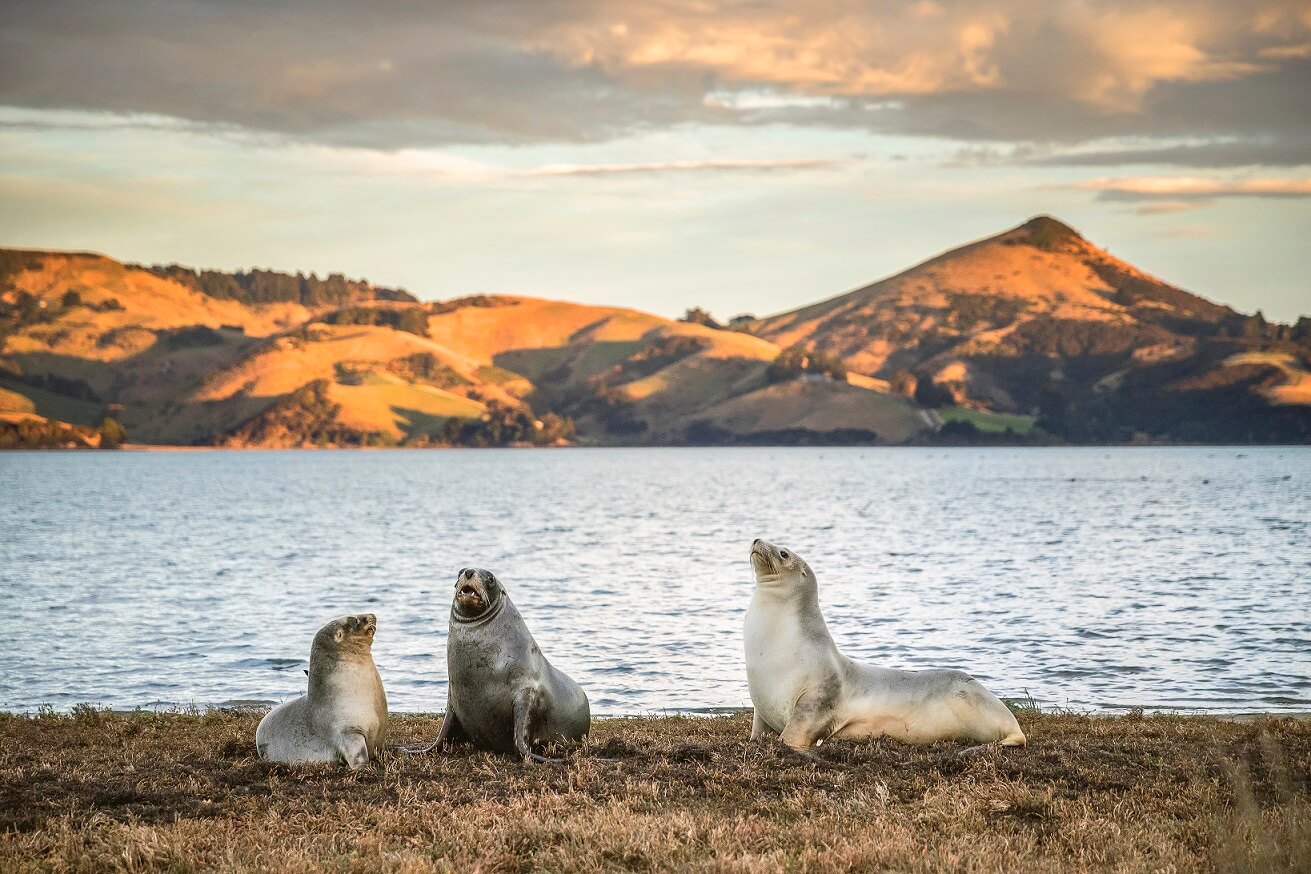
<point x="806" y="691"/>
<point x="503" y="695"/>
<point x="343" y="717"/>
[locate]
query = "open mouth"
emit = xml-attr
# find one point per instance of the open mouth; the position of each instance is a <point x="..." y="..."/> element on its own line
<point x="469" y="597"/>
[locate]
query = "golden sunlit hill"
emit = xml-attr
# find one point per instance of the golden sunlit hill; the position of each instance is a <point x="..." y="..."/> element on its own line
<point x="1035" y="335"/>
<point x="1039" y="322"/>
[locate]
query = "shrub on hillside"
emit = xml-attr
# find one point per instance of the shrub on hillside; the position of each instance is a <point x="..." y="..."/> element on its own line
<point x="1301" y="332"/>
<point x="929" y="394"/>
<point x="657" y="354"/>
<point x="698" y="316"/>
<point x="796" y="361"/>
<point x="112" y="433"/>
<point x="903" y="382"/>
<point x="613" y="410"/>
<point x="45" y="434"/>
<point x="412" y="320"/>
<point x="481" y="301"/>
<point x="503" y="425"/>
<point x="194" y="337"/>
<point x="742" y="323"/>
<point x="427" y="367"/>
<point x="270" y="286"/>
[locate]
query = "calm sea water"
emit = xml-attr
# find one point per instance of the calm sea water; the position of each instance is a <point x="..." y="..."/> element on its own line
<point x="1084" y="578"/>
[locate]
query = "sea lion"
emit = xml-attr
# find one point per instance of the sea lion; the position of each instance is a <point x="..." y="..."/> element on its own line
<point x="343" y="717"/>
<point x="503" y="695"/>
<point x="806" y="691"/>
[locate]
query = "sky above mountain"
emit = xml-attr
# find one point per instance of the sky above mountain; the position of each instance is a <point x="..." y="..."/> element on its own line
<point x="745" y="157"/>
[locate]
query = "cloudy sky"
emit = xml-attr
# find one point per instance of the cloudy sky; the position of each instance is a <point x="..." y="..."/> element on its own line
<point x="743" y="156"/>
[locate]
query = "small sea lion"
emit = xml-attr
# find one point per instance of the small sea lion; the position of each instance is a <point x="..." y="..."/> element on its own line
<point x="806" y="691"/>
<point x="504" y="695"/>
<point x="343" y="717"/>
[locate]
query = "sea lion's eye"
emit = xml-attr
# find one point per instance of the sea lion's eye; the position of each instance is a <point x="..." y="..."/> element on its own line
<point x="783" y="553"/>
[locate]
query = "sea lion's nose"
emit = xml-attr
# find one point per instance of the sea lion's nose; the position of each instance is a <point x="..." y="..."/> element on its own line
<point x="468" y="573"/>
<point x="756" y="542"/>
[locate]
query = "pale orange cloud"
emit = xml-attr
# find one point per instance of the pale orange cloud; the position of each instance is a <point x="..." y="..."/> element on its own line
<point x="1140" y="47"/>
<point x="730" y="165"/>
<point x="446" y="167"/>
<point x="840" y="48"/>
<point x="1107" y="55"/>
<point x="1197" y="187"/>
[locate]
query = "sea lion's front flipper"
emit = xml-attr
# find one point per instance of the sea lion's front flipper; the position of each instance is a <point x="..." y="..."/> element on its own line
<point x="758" y="726"/>
<point x="353" y="748"/>
<point x="527" y="710"/>
<point x="450" y="731"/>
<point x="811" y="724"/>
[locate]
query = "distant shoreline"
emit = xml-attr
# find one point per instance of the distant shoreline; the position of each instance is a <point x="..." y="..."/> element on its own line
<point x="172" y="448"/>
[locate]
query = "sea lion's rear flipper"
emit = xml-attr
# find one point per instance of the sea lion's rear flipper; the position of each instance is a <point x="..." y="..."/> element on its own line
<point x="527" y="712"/>
<point x="450" y="731"/>
<point x="353" y="748"/>
<point x="1015" y="740"/>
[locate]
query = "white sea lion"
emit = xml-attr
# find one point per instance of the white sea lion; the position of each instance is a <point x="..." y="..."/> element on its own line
<point x="503" y="695"/>
<point x="806" y="691"/>
<point x="343" y="717"/>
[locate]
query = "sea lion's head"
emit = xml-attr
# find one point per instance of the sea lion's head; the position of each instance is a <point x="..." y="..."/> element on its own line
<point x="478" y="593"/>
<point x="775" y="565"/>
<point x="349" y="634"/>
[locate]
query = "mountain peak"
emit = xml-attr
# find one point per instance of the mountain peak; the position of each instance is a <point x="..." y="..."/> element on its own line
<point x="1045" y="232"/>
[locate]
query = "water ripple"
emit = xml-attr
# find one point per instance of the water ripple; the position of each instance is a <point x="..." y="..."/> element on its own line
<point x="1087" y="578"/>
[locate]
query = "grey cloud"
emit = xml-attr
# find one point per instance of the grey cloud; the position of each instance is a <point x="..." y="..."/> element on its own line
<point x="385" y="74"/>
<point x="1262" y="108"/>
<point x="1292" y="152"/>
<point x="394" y="74"/>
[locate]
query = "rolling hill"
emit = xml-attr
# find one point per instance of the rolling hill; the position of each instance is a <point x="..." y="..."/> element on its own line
<point x="1032" y="335"/>
<point x="1040" y="322"/>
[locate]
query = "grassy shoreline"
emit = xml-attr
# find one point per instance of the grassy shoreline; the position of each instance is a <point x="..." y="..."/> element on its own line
<point x="96" y="790"/>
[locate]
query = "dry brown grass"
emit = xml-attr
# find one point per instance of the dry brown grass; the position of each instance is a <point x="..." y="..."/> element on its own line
<point x="98" y="791"/>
